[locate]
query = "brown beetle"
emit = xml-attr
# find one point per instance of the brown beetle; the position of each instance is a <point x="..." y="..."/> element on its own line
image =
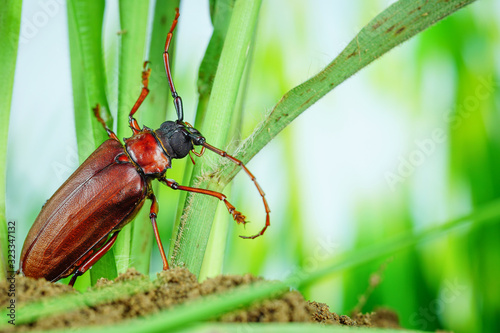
<point x="81" y="221"/>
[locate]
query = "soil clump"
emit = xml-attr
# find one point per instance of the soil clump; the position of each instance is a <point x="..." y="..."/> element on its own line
<point x="176" y="286"/>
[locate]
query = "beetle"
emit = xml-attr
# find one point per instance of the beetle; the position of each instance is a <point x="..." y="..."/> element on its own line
<point x="83" y="218"/>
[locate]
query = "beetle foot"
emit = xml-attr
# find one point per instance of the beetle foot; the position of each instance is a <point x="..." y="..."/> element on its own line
<point x="145" y="77"/>
<point x="238" y="217"/>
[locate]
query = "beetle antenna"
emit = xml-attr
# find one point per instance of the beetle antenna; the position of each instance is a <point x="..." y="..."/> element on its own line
<point x="175" y="96"/>
<point x="252" y="177"/>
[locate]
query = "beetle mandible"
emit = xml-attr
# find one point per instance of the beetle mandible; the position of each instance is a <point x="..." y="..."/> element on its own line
<point x="83" y="218"/>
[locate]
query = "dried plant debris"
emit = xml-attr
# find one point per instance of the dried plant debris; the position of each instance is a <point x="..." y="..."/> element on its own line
<point x="176" y="286"/>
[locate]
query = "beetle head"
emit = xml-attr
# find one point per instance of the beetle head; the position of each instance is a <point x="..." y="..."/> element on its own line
<point x="178" y="138"/>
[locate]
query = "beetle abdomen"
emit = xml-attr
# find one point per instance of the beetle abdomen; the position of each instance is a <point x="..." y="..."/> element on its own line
<point x="100" y="197"/>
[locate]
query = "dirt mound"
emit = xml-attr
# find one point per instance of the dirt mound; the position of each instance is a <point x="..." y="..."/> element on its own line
<point x="176" y="286"/>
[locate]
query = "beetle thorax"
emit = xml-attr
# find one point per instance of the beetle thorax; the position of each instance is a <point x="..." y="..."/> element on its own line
<point x="147" y="153"/>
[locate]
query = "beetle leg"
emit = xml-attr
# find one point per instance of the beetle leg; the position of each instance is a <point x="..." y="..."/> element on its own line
<point x="92" y="260"/>
<point x="97" y="114"/>
<point x="191" y="157"/>
<point x="200" y="153"/>
<point x="175" y="96"/>
<point x="144" y="92"/>
<point x="252" y="178"/>
<point x="196" y="153"/>
<point x="237" y="216"/>
<point x="153" y="213"/>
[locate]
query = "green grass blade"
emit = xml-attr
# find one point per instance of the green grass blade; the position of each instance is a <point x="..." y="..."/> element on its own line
<point x="133" y="23"/>
<point x="152" y="113"/>
<point x="85" y="21"/>
<point x="220" y="11"/>
<point x="215" y="305"/>
<point x="218" y="241"/>
<point x="10" y="23"/>
<point x="85" y="28"/>
<point x="393" y="26"/>
<point x="195" y="229"/>
<point x="221" y="14"/>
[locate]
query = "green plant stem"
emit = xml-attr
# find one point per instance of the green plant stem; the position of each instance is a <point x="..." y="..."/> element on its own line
<point x="151" y="114"/>
<point x="392" y="27"/>
<point x="85" y="21"/>
<point x="192" y="236"/>
<point x="133" y="23"/>
<point x="220" y="12"/>
<point x="10" y="22"/>
<point x="221" y="17"/>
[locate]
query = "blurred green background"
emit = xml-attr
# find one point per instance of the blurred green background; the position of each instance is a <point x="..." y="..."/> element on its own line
<point x="407" y="143"/>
